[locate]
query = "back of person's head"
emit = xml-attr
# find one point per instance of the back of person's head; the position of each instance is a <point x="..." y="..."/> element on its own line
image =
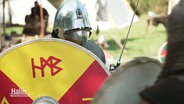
<point x="71" y="22"/>
<point x="36" y="3"/>
<point x="175" y="30"/>
<point x="175" y="23"/>
<point x="167" y="91"/>
<point x="170" y="85"/>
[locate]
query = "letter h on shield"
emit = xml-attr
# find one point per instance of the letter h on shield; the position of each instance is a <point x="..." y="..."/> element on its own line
<point x="50" y="62"/>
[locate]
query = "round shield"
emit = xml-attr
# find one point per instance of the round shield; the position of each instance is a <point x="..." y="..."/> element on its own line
<point x="49" y="70"/>
<point x="162" y="53"/>
<point x="127" y="81"/>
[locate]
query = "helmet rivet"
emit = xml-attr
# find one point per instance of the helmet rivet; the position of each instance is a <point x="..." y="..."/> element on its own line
<point x="79" y="13"/>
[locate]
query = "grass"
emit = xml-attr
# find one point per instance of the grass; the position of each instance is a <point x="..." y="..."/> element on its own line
<point x="19" y="30"/>
<point x="139" y="43"/>
<point x="9" y="30"/>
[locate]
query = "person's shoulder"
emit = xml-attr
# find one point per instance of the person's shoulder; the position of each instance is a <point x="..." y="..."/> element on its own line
<point x="91" y="45"/>
<point x="94" y="48"/>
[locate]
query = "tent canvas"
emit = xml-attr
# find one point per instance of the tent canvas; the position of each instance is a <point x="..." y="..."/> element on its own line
<point x="171" y="4"/>
<point x="18" y="9"/>
<point x="118" y="13"/>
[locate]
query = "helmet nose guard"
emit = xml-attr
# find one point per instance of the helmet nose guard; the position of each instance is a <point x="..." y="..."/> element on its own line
<point x="71" y="17"/>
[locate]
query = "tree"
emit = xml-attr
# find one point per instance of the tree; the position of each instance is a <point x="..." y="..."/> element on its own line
<point x="159" y="6"/>
<point x="55" y="3"/>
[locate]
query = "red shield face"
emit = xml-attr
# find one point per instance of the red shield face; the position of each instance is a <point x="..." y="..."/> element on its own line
<point x="162" y="53"/>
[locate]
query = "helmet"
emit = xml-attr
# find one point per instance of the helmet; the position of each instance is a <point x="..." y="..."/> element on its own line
<point x="71" y="22"/>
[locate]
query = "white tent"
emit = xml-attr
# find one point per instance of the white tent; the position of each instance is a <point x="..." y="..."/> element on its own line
<point x="171" y="5"/>
<point x="118" y="12"/>
<point x="110" y="13"/>
<point x="18" y="9"/>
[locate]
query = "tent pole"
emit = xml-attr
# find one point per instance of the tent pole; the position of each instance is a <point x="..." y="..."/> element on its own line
<point x="41" y="20"/>
<point x="4" y="31"/>
<point x="4" y="17"/>
<point x="9" y="12"/>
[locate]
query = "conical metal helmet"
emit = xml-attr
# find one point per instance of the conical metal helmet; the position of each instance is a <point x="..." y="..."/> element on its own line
<point x="71" y="22"/>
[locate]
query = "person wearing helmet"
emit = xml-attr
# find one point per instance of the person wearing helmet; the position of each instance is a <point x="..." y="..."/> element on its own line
<point x="72" y="24"/>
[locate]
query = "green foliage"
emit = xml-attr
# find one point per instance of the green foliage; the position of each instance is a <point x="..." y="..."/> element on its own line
<point x="162" y="7"/>
<point x="17" y="30"/>
<point x="159" y="6"/>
